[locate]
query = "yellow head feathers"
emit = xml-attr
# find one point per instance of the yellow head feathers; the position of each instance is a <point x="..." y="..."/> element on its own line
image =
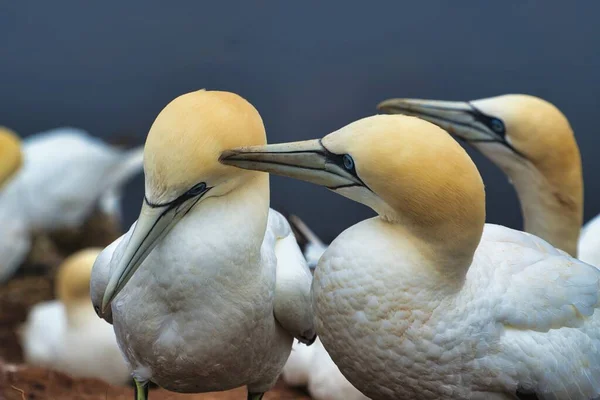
<point x="73" y="277"/>
<point x="417" y="169"/>
<point x="10" y="154"/>
<point x="532" y="142"/>
<point x="539" y="131"/>
<point x="189" y="134"/>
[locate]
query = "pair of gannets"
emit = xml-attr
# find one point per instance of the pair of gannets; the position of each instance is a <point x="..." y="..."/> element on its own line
<point x="208" y="289"/>
<point x="533" y="143"/>
<point x="426" y="301"/>
<point x="66" y="335"/>
<point x="65" y="175"/>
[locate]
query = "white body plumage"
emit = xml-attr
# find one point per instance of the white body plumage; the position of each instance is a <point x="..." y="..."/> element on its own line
<point x="426" y="301"/>
<point x="525" y="318"/>
<point x="210" y="320"/>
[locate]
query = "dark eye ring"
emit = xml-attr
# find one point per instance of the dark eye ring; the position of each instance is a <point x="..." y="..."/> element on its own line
<point x="497" y="125"/>
<point x="198" y="189"/>
<point x="348" y="162"/>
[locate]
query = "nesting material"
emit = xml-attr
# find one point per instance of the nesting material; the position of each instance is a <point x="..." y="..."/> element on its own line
<point x="24" y="382"/>
<point x="99" y="230"/>
<point x="16" y="298"/>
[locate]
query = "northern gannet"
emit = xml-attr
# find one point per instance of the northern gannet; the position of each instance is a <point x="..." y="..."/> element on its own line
<point x="65" y="175"/>
<point x="311" y="366"/>
<point x="533" y="143"/>
<point x="66" y="334"/>
<point x="208" y="289"/>
<point x="423" y="302"/>
<point x="10" y="155"/>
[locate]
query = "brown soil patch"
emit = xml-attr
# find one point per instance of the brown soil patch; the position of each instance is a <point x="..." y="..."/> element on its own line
<point x="24" y="382"/>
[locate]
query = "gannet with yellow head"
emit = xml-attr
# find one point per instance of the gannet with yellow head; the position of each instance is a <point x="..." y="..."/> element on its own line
<point x="533" y="143"/>
<point x="66" y="335"/>
<point x="209" y="287"/>
<point x="10" y="154"/>
<point x="66" y="175"/>
<point x="423" y="302"/>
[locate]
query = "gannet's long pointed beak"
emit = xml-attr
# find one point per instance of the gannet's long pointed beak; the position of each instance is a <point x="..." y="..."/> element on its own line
<point x="445" y="114"/>
<point x="459" y="118"/>
<point x="152" y="225"/>
<point x="309" y="161"/>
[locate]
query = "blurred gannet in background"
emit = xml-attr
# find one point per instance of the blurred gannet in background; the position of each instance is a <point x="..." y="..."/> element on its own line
<point x="66" y="174"/>
<point x="313" y="247"/>
<point x="208" y="289"/>
<point x="533" y="143"/>
<point x="423" y="302"/>
<point x="66" y="334"/>
<point x="311" y="366"/>
<point x="10" y="155"/>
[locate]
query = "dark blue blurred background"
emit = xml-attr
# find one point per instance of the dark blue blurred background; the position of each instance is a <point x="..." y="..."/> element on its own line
<point x="309" y="68"/>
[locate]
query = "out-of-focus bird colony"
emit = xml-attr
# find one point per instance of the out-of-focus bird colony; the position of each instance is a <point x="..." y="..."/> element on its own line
<point x="211" y="291"/>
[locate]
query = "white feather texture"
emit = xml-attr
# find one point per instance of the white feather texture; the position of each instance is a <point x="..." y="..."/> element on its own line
<point x="220" y="317"/>
<point x="66" y="173"/>
<point x="524" y="318"/>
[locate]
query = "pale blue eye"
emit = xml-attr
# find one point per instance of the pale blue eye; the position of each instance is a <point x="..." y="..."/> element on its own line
<point x="348" y="162"/>
<point x="497" y="125"/>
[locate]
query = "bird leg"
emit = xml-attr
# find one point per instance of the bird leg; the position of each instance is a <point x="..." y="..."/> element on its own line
<point x="255" y="396"/>
<point x="141" y="390"/>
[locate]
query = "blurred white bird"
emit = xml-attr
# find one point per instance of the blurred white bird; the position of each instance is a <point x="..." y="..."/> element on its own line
<point x="311" y="366"/>
<point x="207" y="291"/>
<point x="426" y="301"/>
<point x="66" y="174"/>
<point x="312" y="246"/>
<point x="534" y="145"/>
<point x="66" y="334"/>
